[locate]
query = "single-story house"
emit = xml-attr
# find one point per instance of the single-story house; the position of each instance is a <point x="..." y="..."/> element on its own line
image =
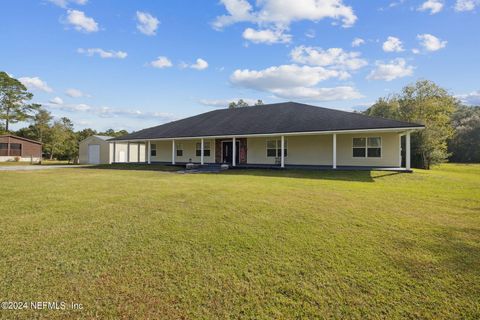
<point x="13" y="148"/>
<point x="281" y="134"/>
<point x="97" y="150"/>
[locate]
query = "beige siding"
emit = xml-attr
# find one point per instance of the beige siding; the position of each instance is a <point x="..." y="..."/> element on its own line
<point x="104" y="150"/>
<point x="164" y="151"/>
<point x="390" y="150"/>
<point x="317" y="150"/>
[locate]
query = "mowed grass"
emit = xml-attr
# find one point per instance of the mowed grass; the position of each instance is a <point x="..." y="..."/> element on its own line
<point x="242" y="244"/>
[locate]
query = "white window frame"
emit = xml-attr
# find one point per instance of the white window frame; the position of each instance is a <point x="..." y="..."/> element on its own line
<point x="198" y="147"/>
<point x="278" y="148"/>
<point x="367" y="147"/>
<point x="153" y="147"/>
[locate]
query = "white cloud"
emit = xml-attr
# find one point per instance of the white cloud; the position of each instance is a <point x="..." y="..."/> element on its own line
<point x="335" y="58"/>
<point x="435" y="6"/>
<point x="81" y="22"/>
<point x="146" y="23"/>
<point x="266" y="36"/>
<point x="357" y="42"/>
<point x="281" y="14"/>
<point x="161" y="62"/>
<point x="473" y="98"/>
<point x="415" y="51"/>
<point x="35" y="83"/>
<point x="56" y="100"/>
<point x="75" y="93"/>
<point x="310" y="34"/>
<point x="200" y="64"/>
<point x="111" y="54"/>
<point x="294" y="82"/>
<point x="393" y="44"/>
<point x="396" y="68"/>
<point x="65" y="3"/>
<point x="466" y="5"/>
<point x="430" y="42"/>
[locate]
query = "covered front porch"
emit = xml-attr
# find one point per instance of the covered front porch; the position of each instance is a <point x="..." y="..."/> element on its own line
<point x="352" y="150"/>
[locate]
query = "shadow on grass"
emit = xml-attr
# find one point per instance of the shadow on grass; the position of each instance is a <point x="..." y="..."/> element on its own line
<point x="137" y="167"/>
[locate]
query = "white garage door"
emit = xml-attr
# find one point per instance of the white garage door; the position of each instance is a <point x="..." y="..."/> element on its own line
<point x="94" y="153"/>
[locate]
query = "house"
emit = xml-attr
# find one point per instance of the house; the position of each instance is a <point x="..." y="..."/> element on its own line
<point x="13" y="148"/>
<point x="97" y="150"/>
<point x="282" y="134"/>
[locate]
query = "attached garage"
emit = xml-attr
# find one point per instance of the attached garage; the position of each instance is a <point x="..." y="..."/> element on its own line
<point x="94" y="150"/>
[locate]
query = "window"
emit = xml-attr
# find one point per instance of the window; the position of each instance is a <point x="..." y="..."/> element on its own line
<point x="206" y="149"/>
<point x="179" y="150"/>
<point x="274" y="148"/>
<point x="153" y="150"/>
<point x="15" y="149"/>
<point x="367" y="147"/>
<point x="3" y="149"/>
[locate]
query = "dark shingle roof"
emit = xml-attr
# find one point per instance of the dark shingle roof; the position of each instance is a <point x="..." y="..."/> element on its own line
<point x="272" y="118"/>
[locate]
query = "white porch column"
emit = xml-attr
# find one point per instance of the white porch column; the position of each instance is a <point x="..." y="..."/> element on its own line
<point x="173" y="151"/>
<point x="282" y="152"/>
<point x="399" y="150"/>
<point x="114" y="152"/>
<point x="138" y="152"/>
<point x="234" y="152"/>
<point x="201" y="152"/>
<point x="407" y="152"/>
<point x="149" y="152"/>
<point x="334" y="152"/>
<point x="128" y="151"/>
<point x="146" y="151"/>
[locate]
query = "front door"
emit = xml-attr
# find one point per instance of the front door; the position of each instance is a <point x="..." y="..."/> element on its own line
<point x="227" y="151"/>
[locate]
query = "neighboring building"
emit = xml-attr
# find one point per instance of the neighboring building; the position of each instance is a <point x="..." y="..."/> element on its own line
<point x="282" y="134"/>
<point x="97" y="150"/>
<point x="13" y="148"/>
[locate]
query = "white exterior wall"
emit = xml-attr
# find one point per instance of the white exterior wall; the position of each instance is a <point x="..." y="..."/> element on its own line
<point x="22" y="159"/>
<point x="122" y="148"/>
<point x="83" y="150"/>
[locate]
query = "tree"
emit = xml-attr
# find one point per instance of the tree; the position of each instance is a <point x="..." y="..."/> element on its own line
<point x="62" y="142"/>
<point x="426" y="103"/>
<point x="113" y="133"/>
<point x="240" y="104"/>
<point x="85" y="133"/>
<point x="13" y="101"/>
<point x="259" y="103"/>
<point x="465" y="143"/>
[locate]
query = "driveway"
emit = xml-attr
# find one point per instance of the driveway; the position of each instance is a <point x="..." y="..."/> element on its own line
<point x="38" y="167"/>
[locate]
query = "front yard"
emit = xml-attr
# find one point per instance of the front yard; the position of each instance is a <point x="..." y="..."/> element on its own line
<point x="242" y="244"/>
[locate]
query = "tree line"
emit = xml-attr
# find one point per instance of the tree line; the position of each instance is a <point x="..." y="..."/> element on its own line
<point x="452" y="130"/>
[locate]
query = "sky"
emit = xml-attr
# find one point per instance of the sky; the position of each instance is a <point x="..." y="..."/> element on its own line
<point x="136" y="64"/>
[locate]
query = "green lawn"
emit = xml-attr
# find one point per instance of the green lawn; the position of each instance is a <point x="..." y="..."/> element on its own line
<point x="242" y="244"/>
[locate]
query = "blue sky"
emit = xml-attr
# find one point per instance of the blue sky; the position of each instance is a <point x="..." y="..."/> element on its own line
<point x="134" y="64"/>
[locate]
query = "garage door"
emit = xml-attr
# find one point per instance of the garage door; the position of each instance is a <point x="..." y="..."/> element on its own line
<point x="94" y="153"/>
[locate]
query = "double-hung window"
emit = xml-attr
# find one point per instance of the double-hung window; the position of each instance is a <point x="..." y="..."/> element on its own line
<point x="179" y="150"/>
<point x="206" y="149"/>
<point x="274" y="148"/>
<point x="153" y="150"/>
<point x="370" y="147"/>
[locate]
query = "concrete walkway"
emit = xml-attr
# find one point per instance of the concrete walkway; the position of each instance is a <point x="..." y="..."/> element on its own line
<point x="39" y="167"/>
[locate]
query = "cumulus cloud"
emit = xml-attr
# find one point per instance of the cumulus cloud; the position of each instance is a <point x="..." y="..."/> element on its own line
<point x="65" y="3"/>
<point x="392" y="44"/>
<point x="161" y="63"/>
<point x="357" y="42"/>
<point x="104" y="54"/>
<point x="294" y="82"/>
<point x="434" y="6"/>
<point x="394" y="69"/>
<point x="266" y="36"/>
<point x="274" y="14"/>
<point x="35" y="83"/>
<point x="472" y="98"/>
<point x="146" y="23"/>
<point x="335" y="58"/>
<point x="200" y="64"/>
<point x="81" y="22"/>
<point x="75" y="93"/>
<point x="430" y="42"/>
<point x="56" y="100"/>
<point x="466" y="5"/>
